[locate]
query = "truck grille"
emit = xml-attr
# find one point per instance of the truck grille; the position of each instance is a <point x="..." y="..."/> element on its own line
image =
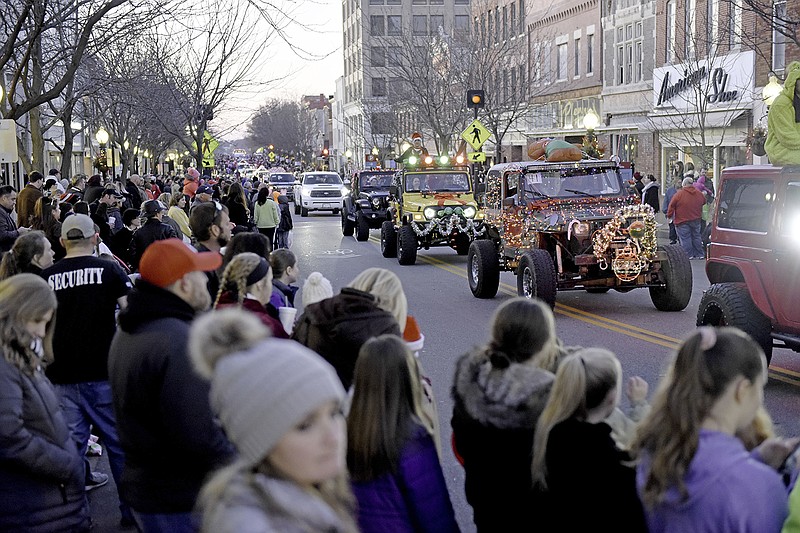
<point x="326" y="194"/>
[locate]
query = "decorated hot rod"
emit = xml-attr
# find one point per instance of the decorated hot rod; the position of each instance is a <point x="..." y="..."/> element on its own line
<point x="573" y="226"/>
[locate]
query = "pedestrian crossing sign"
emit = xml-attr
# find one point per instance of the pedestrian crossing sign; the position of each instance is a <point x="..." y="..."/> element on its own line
<point x="477" y="157"/>
<point x="476" y="134"/>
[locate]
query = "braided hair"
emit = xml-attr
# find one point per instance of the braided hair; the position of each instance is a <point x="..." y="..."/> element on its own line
<point x="236" y="274"/>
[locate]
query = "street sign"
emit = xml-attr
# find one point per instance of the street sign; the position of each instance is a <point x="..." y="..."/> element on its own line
<point x="272" y="156"/>
<point x="8" y="141"/>
<point x="477" y="157"/>
<point x="476" y="134"/>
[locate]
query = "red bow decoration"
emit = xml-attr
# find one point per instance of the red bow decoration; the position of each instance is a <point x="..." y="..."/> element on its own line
<point x="443" y="196"/>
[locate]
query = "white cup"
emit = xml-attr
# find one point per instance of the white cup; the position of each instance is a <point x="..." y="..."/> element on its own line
<point x="287" y="315"/>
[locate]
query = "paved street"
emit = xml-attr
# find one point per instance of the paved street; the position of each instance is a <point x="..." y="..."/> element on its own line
<point x="452" y="321"/>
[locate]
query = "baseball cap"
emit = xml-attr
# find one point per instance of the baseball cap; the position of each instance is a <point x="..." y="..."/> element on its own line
<point x="165" y="262"/>
<point x="152" y="207"/>
<point x="81" y="227"/>
<point x="205" y="189"/>
<point x="111" y="192"/>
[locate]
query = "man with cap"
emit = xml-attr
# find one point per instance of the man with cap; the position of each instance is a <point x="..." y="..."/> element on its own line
<point x="26" y="199"/>
<point x="151" y="231"/>
<point x="135" y="191"/>
<point x="203" y="195"/>
<point x="166" y="426"/>
<point x="89" y="290"/>
<point x="121" y="241"/>
<point x="102" y="214"/>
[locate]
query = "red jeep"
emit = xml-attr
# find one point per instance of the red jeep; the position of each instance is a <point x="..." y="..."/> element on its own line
<point x="754" y="257"/>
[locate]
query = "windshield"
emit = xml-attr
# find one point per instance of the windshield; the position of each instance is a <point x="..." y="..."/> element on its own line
<point x="322" y="179"/>
<point x="376" y="181"/>
<point x="437" y="182"/>
<point x="281" y="178"/>
<point x="566" y="184"/>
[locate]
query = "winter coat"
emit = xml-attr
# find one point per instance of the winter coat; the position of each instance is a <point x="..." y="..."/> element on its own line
<point x="669" y="195"/>
<point x="495" y="412"/>
<point x="686" y="205"/>
<point x="650" y="195"/>
<point x="164" y="419"/>
<point x="286" y="223"/>
<point x="41" y="472"/>
<point x="26" y="202"/>
<point x="282" y="294"/>
<point x="151" y="231"/>
<point x="190" y="187"/>
<point x="728" y="490"/>
<point x="412" y="499"/>
<point x="266" y="215"/>
<point x="179" y="215"/>
<point x="582" y="459"/>
<point x="337" y="327"/>
<point x="228" y="299"/>
<point x="92" y="193"/>
<point x="8" y="230"/>
<point x="238" y="213"/>
<point x="783" y="122"/>
<point x="255" y="503"/>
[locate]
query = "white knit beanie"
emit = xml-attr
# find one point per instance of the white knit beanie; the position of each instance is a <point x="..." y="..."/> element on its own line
<point x="315" y="289"/>
<point x="262" y="393"/>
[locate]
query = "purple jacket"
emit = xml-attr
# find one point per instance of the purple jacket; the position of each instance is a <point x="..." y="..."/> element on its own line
<point x="729" y="490"/>
<point x="413" y="499"/>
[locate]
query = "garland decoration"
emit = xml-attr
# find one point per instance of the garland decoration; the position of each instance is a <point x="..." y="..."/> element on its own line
<point x="446" y="225"/>
<point x="638" y="239"/>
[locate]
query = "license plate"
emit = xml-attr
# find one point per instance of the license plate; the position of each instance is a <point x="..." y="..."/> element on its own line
<point x="327" y="205"/>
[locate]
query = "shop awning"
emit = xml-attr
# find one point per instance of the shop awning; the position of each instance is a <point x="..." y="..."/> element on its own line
<point x="693" y="121"/>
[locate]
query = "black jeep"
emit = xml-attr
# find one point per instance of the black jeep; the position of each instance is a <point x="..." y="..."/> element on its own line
<point x="364" y="208"/>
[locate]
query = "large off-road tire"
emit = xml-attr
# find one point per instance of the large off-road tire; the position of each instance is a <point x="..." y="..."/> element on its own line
<point x="388" y="239"/>
<point x="678" y="277"/>
<point x="462" y="244"/>
<point x="303" y="212"/>
<point x="297" y="207"/>
<point x="348" y="226"/>
<point x="406" y="246"/>
<point x="536" y="276"/>
<point x="730" y="304"/>
<point x="362" y="227"/>
<point x="483" y="269"/>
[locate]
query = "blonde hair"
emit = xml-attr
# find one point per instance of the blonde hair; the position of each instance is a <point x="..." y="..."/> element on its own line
<point x="705" y="364"/>
<point x="582" y="384"/>
<point x="385" y="286"/>
<point x="23" y="298"/>
<point x="234" y="278"/>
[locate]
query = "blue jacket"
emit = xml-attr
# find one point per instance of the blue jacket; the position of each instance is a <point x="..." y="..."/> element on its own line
<point x="728" y="491"/>
<point x="413" y="499"/>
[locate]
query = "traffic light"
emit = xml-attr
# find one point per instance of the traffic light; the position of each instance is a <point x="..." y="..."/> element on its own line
<point x="475" y="98"/>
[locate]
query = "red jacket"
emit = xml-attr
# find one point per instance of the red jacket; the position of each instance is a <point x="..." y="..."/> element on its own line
<point x="190" y="187"/>
<point x="686" y="205"/>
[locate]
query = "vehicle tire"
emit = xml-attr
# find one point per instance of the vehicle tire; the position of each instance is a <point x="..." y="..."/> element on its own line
<point x="483" y="269"/>
<point x="388" y="239"/>
<point x="678" y="276"/>
<point x="406" y="246"/>
<point x="536" y="276"/>
<point x="598" y="290"/>
<point x="362" y="228"/>
<point x="336" y="211"/>
<point x="303" y="212"/>
<point x="348" y="226"/>
<point x="296" y="208"/>
<point x="462" y="244"/>
<point x="730" y="304"/>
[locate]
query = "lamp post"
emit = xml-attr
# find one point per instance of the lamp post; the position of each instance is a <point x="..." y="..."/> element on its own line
<point x="102" y="139"/>
<point x="590" y="122"/>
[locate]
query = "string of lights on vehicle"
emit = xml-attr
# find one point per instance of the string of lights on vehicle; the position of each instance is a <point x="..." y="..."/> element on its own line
<point x="441" y="161"/>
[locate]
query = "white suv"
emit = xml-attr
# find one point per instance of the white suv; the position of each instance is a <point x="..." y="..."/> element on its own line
<point x="318" y="191"/>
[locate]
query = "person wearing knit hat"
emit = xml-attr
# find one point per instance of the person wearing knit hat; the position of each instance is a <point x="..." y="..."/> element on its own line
<point x="290" y="474"/>
<point x="190" y="182"/>
<point x="315" y="289"/>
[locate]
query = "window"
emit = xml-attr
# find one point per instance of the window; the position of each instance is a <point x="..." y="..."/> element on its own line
<point x="376" y="2"/>
<point x="577" y="57"/>
<point x="394" y="56"/>
<point x="378" y="56"/>
<point x="735" y="22"/>
<point x="744" y="205"/>
<point x="437" y="21"/>
<point x="376" y="25"/>
<point x="394" y="2"/>
<point x="513" y="21"/>
<point x="419" y="2"/>
<point x="489" y="27"/>
<point x="420" y="24"/>
<point x="689" y="29"/>
<point x="669" y="40"/>
<point x="639" y="61"/>
<point x="461" y="2"/>
<point x="514" y="93"/>
<point x="461" y="23"/>
<point x="378" y="87"/>
<point x="505" y="23"/>
<point x="381" y="123"/>
<point x="630" y="54"/>
<point x="394" y="25"/>
<point x="589" y="53"/>
<point x="779" y="39"/>
<point x="522" y="87"/>
<point x="521" y="12"/>
<point x="620" y="65"/>
<point x="437" y="2"/>
<point x="789" y="223"/>
<point x="712" y="21"/>
<point x="561" y="65"/>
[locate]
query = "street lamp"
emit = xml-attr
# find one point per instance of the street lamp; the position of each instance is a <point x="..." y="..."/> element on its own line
<point x="771" y="90"/>
<point x="102" y="139"/>
<point x="591" y="121"/>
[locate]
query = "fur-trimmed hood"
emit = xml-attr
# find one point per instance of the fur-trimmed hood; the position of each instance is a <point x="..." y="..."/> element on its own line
<point x="507" y="398"/>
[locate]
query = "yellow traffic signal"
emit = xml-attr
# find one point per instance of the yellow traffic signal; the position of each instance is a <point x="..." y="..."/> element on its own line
<point x="475" y="98"/>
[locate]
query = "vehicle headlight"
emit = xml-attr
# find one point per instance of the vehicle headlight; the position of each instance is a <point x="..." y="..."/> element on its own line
<point x="305" y="191"/>
<point x="430" y="213"/>
<point x="418" y="216"/>
<point x="581" y="229"/>
<point x="469" y="211"/>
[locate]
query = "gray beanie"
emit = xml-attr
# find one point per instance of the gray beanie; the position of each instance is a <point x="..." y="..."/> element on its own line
<point x="262" y="393"/>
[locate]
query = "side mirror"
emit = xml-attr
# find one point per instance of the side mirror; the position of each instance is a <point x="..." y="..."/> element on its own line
<point x="393" y="191"/>
<point x="480" y="188"/>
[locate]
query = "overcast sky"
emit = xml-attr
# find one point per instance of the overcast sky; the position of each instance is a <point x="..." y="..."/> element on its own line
<point x="321" y="38"/>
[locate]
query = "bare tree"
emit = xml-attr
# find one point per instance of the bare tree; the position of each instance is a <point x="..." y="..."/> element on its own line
<point x="285" y="124"/>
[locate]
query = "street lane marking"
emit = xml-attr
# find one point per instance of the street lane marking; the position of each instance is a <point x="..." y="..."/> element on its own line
<point x="781" y="374"/>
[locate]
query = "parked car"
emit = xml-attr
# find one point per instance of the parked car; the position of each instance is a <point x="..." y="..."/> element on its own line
<point x="753" y="260"/>
<point x="365" y="207"/>
<point x="318" y="191"/>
